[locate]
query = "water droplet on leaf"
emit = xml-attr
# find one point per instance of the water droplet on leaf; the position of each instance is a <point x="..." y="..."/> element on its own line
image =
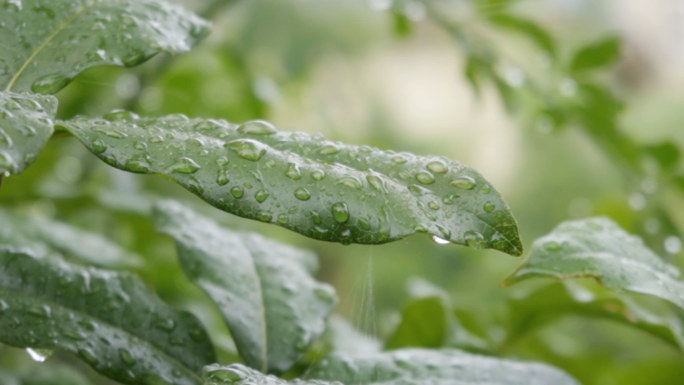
<point x="340" y="212"/>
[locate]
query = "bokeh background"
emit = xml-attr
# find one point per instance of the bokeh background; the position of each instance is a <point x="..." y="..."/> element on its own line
<point x="445" y="77"/>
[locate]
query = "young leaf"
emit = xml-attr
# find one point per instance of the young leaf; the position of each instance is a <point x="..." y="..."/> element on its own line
<point x="46" y="43"/>
<point x="596" y="55"/>
<point x="599" y="248"/>
<point x="444" y="367"/>
<point x="25" y="127"/>
<point x="551" y="302"/>
<point x="537" y="34"/>
<point x="322" y="189"/>
<point x="41" y="234"/>
<point x="241" y="375"/>
<point x="109" y="320"/>
<point x="264" y="289"/>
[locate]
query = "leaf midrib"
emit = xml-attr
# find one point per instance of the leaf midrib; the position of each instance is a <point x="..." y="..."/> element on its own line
<point x="135" y="337"/>
<point x="45" y="43"/>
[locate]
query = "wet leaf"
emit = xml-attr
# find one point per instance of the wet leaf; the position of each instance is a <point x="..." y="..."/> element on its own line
<point x="241" y="375"/>
<point x="444" y="367"/>
<point x="596" y="55"/>
<point x="322" y="189"/>
<point x="264" y="289"/>
<point x="44" y="236"/>
<point x="46" y="43"/>
<point x="44" y="374"/>
<point x="552" y="302"/>
<point x="25" y="127"/>
<point x="600" y="249"/>
<point x="110" y="320"/>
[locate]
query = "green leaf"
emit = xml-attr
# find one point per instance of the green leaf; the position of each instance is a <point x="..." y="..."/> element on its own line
<point x="537" y="34"/>
<point x="596" y="55"/>
<point x="46" y="43"/>
<point x="109" y="320"/>
<point x="264" y="289"/>
<point x="45" y="374"/>
<point x="322" y="189"/>
<point x="444" y="367"/>
<point x="25" y="127"/>
<point x="43" y="236"/>
<point x="423" y="323"/>
<point x="242" y="375"/>
<point x="552" y="302"/>
<point x="666" y="153"/>
<point x="600" y="249"/>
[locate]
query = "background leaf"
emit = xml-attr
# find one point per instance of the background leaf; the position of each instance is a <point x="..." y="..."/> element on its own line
<point x="25" y="127"/>
<point x="264" y="289"/>
<point x="448" y="367"/>
<point x="596" y="55"/>
<point x="599" y="248"/>
<point x="46" y="43"/>
<point x="109" y="320"/>
<point x="323" y="189"/>
<point x="240" y="374"/>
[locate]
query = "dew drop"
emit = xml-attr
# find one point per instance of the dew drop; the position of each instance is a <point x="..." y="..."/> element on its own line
<point x="329" y="149"/>
<point x="283" y="219"/>
<point x="137" y="165"/>
<point x="126" y="357"/>
<point x="42" y="311"/>
<point x="237" y="192"/>
<point x="437" y="167"/>
<point x="351" y="182"/>
<point x="302" y="194"/>
<point x="119" y="115"/>
<point x="376" y="182"/>
<point x="474" y="239"/>
<point x="38" y="355"/>
<point x="552" y="246"/>
<point x="433" y="205"/>
<point x="489" y="207"/>
<point x="340" y="212"/>
<point x="257" y="127"/>
<point x="185" y="165"/>
<point x="261" y="196"/>
<point x="264" y="216"/>
<point x="464" y="182"/>
<point x="222" y="178"/>
<point x="88" y="356"/>
<point x="318" y="175"/>
<point x="425" y="177"/>
<point x="293" y="172"/>
<point x="247" y="149"/>
<point x="440" y="241"/>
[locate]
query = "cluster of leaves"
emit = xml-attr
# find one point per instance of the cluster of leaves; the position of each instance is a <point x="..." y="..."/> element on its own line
<point x="62" y="288"/>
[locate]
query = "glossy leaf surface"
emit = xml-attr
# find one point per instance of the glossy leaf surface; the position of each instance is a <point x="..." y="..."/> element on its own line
<point x="443" y="367"/>
<point x="323" y="189"/>
<point x="241" y="375"/>
<point x="600" y="249"/>
<point x="46" y="43"/>
<point x="596" y="55"/>
<point x="25" y="127"/>
<point x="264" y="289"/>
<point x="110" y="320"/>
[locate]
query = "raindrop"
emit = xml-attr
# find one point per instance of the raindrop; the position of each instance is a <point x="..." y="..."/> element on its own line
<point x="88" y="356"/>
<point x="42" y="311"/>
<point x="489" y="207"/>
<point x="126" y="357"/>
<point x="437" y="167"/>
<point x="283" y="219"/>
<point x="237" y="192"/>
<point x="3" y="306"/>
<point x="38" y="355"/>
<point x="329" y="149"/>
<point x="185" y="165"/>
<point x="376" y="182"/>
<point x="440" y="241"/>
<point x="264" y="216"/>
<point x="433" y="205"/>
<point x="302" y="194"/>
<point x="49" y="84"/>
<point x="351" y="182"/>
<point x="673" y="244"/>
<point x="118" y="115"/>
<point x="552" y="246"/>
<point x="293" y="171"/>
<point x="247" y="148"/>
<point x="474" y="239"/>
<point x="257" y="127"/>
<point x="425" y="177"/>
<point x="318" y="175"/>
<point x="261" y="196"/>
<point x="222" y="178"/>
<point x="464" y="182"/>
<point x="137" y="165"/>
<point x="340" y="212"/>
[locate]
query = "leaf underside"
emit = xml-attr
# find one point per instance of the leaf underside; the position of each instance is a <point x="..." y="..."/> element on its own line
<point x="264" y="289"/>
<point x="322" y="189"/>
<point x="25" y="127"/>
<point x="109" y="320"/>
<point x="599" y="248"/>
<point x="46" y="43"/>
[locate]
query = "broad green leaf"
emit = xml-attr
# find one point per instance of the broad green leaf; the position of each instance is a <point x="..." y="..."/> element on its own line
<point x="344" y="338"/>
<point x="25" y="127"/>
<point x="322" y="189"/>
<point x="596" y="55"/>
<point x="552" y="302"/>
<point x="443" y="367"/>
<point x="45" y="374"/>
<point x="264" y="289"/>
<point x="44" y="235"/>
<point x="241" y="375"/>
<point x="600" y="249"/>
<point x="110" y="320"/>
<point x="524" y="26"/>
<point x="46" y="43"/>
